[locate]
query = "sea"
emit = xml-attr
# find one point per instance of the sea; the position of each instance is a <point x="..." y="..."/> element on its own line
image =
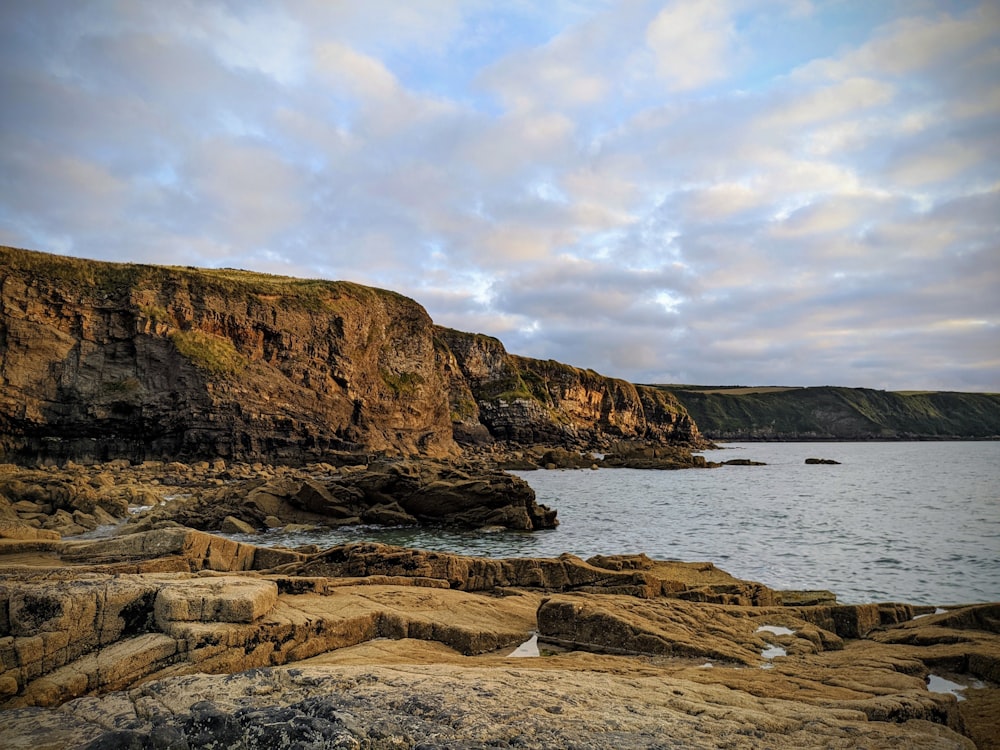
<point x="915" y="522"/>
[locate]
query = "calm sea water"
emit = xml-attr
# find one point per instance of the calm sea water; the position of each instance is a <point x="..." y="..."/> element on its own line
<point x="914" y="522"/>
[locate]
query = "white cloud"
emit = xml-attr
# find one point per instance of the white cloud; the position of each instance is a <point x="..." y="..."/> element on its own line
<point x="934" y="163"/>
<point x="691" y="42"/>
<point x="846" y="98"/>
<point x="915" y="44"/>
<point x="360" y="74"/>
<point x="253" y="193"/>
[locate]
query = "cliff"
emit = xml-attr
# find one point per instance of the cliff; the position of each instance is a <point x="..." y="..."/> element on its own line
<point x="830" y="413"/>
<point x="102" y="360"/>
<point x="106" y="360"/>
<point x="498" y="395"/>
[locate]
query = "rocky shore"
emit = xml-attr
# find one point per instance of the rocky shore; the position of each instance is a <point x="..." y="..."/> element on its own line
<point x="158" y="635"/>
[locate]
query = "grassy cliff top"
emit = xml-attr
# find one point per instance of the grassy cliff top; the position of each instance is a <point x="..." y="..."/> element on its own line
<point x="109" y="278"/>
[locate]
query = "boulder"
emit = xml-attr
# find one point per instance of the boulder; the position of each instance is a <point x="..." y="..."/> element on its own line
<point x="233" y="525"/>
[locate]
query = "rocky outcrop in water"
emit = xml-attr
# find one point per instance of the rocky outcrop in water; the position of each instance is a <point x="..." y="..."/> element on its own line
<point x="100" y="361"/>
<point x="239" y="498"/>
<point x="176" y="638"/>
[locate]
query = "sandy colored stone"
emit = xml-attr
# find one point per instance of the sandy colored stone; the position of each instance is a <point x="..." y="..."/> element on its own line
<point x="233" y="525"/>
<point x="20" y="530"/>
<point x="470" y="706"/>
<point x="636" y="576"/>
<point x="223" y="599"/>
<point x="415" y="645"/>
<point x="202" y="551"/>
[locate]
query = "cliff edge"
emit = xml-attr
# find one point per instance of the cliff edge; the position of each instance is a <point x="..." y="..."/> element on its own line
<point x="108" y="360"/>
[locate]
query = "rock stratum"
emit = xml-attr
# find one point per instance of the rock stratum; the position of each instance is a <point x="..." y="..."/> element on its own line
<point x="100" y="361"/>
<point x="174" y="638"/>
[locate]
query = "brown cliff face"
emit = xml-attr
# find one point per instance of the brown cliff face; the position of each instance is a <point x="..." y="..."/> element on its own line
<point x="105" y="360"/>
<point x="532" y="401"/>
<point x="108" y="360"/>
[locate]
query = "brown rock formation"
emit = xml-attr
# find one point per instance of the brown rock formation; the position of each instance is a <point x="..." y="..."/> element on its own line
<point x="633" y="575"/>
<point x="105" y="360"/>
<point x="39" y="504"/>
<point x="530" y="401"/>
<point x="102" y="360"/>
<point x="393" y="492"/>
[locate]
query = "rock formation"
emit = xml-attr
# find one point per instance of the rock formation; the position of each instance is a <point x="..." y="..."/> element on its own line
<point x="535" y="402"/>
<point x="176" y="638"/>
<point x="238" y="498"/>
<point x="101" y="361"/>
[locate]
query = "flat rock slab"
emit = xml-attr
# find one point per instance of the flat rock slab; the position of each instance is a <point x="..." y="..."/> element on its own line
<point x="449" y="706"/>
<point x="674" y="628"/>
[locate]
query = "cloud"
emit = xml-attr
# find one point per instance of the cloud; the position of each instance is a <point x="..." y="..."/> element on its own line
<point x="660" y="192"/>
<point x="254" y="194"/>
<point x="361" y="75"/>
<point x="918" y="43"/>
<point x="691" y="43"/>
<point x="942" y="161"/>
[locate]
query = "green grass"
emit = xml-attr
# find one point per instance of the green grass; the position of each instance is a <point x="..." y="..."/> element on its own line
<point x="211" y="353"/>
<point x="120" y="280"/>
<point x="402" y="383"/>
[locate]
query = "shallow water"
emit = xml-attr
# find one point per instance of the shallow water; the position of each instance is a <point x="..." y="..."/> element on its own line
<point x="914" y="522"/>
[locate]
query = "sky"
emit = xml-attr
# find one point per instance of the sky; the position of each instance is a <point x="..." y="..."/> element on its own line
<point x="739" y="192"/>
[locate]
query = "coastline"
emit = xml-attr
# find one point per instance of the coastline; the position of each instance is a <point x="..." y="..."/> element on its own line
<point x="175" y="633"/>
<point x="157" y="634"/>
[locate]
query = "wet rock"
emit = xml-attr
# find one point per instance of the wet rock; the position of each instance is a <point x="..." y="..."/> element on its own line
<point x="646" y="456"/>
<point x="233" y="525"/>
<point x="385" y="492"/>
